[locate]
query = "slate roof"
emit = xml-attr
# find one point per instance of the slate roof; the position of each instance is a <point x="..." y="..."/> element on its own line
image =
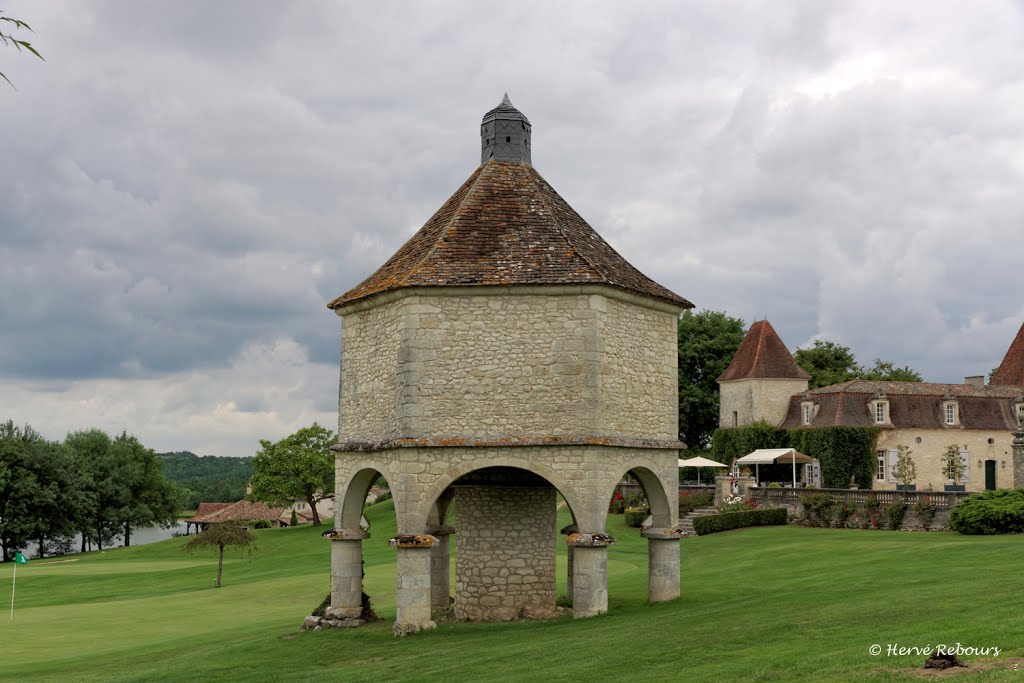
<point x="1011" y="370"/>
<point x="912" y="405"/>
<point x="506" y="226"/>
<point x="762" y="355"/>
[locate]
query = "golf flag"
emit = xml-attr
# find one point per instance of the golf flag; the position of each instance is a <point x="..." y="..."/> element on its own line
<point x="18" y="559"/>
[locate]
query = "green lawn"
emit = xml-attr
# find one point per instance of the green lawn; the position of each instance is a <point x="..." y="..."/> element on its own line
<point x="764" y="604"/>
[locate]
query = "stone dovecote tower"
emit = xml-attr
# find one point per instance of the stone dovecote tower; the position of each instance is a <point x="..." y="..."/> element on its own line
<point x="505" y="354"/>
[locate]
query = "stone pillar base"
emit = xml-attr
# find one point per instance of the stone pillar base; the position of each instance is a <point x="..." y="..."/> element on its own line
<point x="346" y="573"/>
<point x="662" y="564"/>
<point x="590" y="573"/>
<point x="412" y="594"/>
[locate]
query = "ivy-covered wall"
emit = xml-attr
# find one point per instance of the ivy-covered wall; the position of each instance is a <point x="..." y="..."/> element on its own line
<point x="844" y="452"/>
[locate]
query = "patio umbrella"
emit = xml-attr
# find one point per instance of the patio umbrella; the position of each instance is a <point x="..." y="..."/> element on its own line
<point x="700" y="462"/>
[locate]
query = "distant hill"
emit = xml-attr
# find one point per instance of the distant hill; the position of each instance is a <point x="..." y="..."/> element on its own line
<point x="207" y="478"/>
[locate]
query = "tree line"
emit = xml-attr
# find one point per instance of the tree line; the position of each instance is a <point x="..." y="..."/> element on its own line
<point x="206" y="479"/>
<point x="88" y="484"/>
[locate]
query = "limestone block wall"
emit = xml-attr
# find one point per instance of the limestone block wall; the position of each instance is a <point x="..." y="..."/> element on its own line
<point x="640" y="364"/>
<point x="505" y="552"/>
<point x="928" y="453"/>
<point x="369" y="397"/>
<point x="585" y="475"/>
<point x="754" y="400"/>
<point x="489" y="362"/>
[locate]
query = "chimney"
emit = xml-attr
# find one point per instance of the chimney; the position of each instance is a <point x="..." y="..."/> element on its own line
<point x="975" y="380"/>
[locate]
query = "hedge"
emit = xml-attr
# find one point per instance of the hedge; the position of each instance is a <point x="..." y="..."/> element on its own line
<point x="737" y="520"/>
<point x="992" y="512"/>
<point x="634" y="517"/>
<point x="844" y="452"/>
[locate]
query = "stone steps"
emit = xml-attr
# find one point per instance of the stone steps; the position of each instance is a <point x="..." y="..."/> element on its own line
<point x="686" y="523"/>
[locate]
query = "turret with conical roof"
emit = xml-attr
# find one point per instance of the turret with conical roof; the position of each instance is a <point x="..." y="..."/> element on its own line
<point x="760" y="380"/>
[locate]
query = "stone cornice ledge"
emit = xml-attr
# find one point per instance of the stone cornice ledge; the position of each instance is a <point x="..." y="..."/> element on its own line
<point x="513" y="441"/>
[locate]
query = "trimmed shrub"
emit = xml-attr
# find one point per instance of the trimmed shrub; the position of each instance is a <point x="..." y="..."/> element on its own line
<point x="738" y="520"/>
<point x="894" y="514"/>
<point x="262" y="524"/>
<point x="635" y="517"/>
<point x="992" y="512"/>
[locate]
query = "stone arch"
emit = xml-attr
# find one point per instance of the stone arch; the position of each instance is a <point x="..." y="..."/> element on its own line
<point x="657" y="497"/>
<point x="422" y="514"/>
<point x="350" y="511"/>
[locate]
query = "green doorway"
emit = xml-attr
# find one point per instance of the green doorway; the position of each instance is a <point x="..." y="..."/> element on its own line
<point x="990" y="475"/>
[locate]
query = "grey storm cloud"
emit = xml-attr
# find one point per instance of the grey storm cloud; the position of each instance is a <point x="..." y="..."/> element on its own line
<point x="185" y="185"/>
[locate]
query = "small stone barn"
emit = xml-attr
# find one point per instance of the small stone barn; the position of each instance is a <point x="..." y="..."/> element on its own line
<point x="504" y="355"/>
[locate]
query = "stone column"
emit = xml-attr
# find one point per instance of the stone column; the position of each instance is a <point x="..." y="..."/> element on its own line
<point x="346" y="573"/>
<point x="662" y="564"/>
<point x="566" y="531"/>
<point x="1018" y="456"/>
<point x="745" y="484"/>
<point x="723" y="489"/>
<point x="412" y="592"/>
<point x="440" y="569"/>
<point x="589" y="573"/>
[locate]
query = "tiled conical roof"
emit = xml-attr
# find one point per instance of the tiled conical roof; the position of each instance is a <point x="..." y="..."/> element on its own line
<point x="506" y="226"/>
<point x="763" y="355"/>
<point x="1011" y="371"/>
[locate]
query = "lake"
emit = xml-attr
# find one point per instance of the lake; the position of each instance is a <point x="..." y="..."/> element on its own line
<point x="141" y="536"/>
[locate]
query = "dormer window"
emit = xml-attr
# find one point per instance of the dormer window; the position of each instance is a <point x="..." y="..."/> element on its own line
<point x="1018" y="409"/>
<point x="880" y="410"/>
<point x="950" y="412"/>
<point x="807" y="410"/>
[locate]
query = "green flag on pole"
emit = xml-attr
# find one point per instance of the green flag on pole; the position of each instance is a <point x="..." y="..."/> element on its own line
<point x="19" y="559"/>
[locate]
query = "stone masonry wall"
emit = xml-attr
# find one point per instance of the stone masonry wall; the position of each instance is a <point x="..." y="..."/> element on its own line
<point x="640" y="364"/>
<point x="505" y="552"/>
<point x="509" y="363"/>
<point x="369" y="398"/>
<point x="757" y="399"/>
<point x="585" y="475"/>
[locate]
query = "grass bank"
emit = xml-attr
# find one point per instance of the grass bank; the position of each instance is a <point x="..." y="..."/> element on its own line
<point x="763" y="604"/>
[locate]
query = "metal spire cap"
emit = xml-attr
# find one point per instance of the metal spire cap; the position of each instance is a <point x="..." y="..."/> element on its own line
<point x="505" y="134"/>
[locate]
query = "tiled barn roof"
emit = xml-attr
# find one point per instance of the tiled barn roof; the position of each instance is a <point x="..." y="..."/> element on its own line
<point x="506" y="226"/>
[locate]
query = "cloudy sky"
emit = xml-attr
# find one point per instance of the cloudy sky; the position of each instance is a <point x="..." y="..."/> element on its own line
<point x="183" y="186"/>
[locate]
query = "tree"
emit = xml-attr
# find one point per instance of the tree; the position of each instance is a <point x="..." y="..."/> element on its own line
<point x="19" y="488"/>
<point x="707" y="342"/>
<point x="885" y="371"/>
<point x="220" y="536"/>
<point x="123" y="487"/>
<point x="8" y="39"/>
<point x="953" y="465"/>
<point x="905" y="470"/>
<point x="151" y="500"/>
<point x="827" y="363"/>
<point x="298" y="467"/>
<point x="831" y="363"/>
